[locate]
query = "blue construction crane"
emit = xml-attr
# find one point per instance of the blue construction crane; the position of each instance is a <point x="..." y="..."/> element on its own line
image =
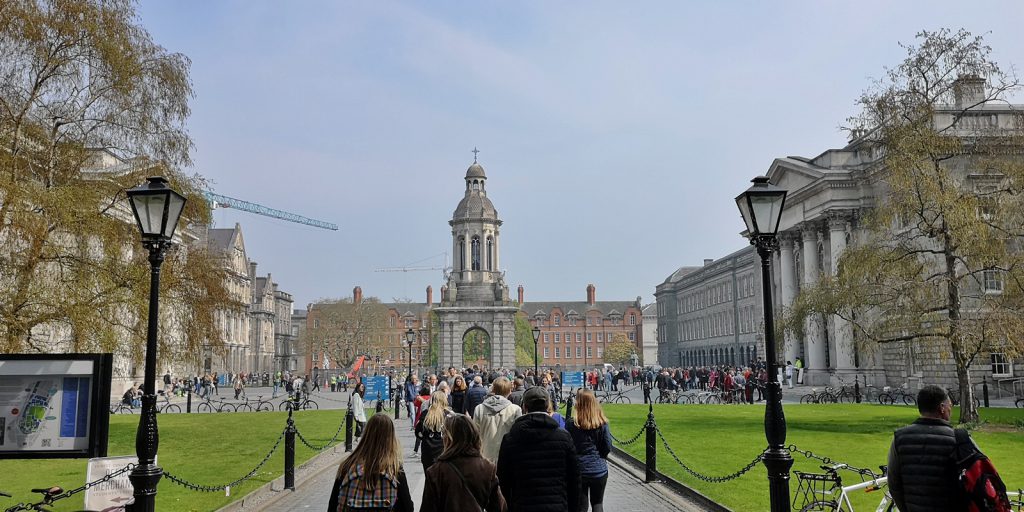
<point x="219" y="201"/>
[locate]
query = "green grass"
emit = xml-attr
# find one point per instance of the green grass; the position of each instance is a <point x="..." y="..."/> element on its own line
<point x="208" y="449"/>
<point x="718" y="440"/>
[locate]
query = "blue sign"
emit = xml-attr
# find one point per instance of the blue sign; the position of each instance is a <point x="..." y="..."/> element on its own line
<point x="572" y="379"/>
<point x="375" y="385"/>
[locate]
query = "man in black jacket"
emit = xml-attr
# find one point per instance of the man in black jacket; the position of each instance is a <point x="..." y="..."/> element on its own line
<point x="537" y="466"/>
<point x="922" y="470"/>
<point x="476" y="395"/>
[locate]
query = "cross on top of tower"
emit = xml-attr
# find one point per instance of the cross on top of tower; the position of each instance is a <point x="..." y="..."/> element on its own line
<point x="475" y="151"/>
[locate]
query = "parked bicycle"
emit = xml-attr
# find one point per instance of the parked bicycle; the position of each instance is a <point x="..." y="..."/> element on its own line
<point x="825" y="491"/>
<point x="615" y="397"/>
<point x="818" y="397"/>
<point x="257" y="405"/>
<point x="295" y="403"/>
<point x="220" y="406"/>
<point x="49" y="495"/>
<point x="954" y="397"/>
<point x="898" y="395"/>
<point x="167" y="406"/>
<point x="121" y="408"/>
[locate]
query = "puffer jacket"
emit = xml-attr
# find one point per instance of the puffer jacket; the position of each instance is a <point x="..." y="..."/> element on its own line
<point x="922" y="472"/>
<point x="494" y="417"/>
<point x="538" y="471"/>
<point x="592" y="448"/>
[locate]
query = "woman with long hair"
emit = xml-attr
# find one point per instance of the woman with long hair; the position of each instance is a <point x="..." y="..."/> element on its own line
<point x="430" y="426"/>
<point x="593" y="440"/>
<point x="372" y="476"/>
<point x="458" y="395"/>
<point x="462" y="479"/>
<point x="355" y="402"/>
<point x="423" y="396"/>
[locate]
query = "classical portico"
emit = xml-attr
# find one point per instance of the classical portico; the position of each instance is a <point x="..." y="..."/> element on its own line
<point x="475" y="297"/>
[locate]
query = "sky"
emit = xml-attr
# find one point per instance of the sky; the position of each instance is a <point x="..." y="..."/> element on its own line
<point x="615" y="135"/>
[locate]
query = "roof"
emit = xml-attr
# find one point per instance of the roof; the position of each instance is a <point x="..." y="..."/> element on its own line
<point x="475" y="171"/>
<point x="605" y="307"/>
<point x="416" y="308"/>
<point x="475" y="205"/>
<point x="221" y="238"/>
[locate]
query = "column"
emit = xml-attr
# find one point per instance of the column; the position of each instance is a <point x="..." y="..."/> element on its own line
<point x="837" y="225"/>
<point x="814" y="347"/>
<point x="788" y="287"/>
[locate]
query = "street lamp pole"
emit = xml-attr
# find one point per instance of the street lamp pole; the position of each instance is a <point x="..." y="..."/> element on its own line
<point x="157" y="209"/>
<point x="536" y="370"/>
<point x="410" y="338"/>
<point x="761" y="206"/>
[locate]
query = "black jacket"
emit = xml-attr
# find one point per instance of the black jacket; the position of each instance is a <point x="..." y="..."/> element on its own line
<point x="922" y="471"/>
<point x="474" y="397"/>
<point x="537" y="466"/>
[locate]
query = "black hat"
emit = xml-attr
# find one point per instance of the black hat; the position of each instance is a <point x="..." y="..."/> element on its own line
<point x="536" y="399"/>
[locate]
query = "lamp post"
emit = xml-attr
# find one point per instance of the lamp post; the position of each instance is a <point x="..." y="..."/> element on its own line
<point x="536" y="370"/>
<point x="761" y="207"/>
<point x="157" y="209"/>
<point x="410" y="338"/>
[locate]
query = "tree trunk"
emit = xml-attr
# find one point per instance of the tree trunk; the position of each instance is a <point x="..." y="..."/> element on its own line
<point x="968" y="412"/>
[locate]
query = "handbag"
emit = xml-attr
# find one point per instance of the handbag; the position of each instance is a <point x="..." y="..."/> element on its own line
<point x="466" y="486"/>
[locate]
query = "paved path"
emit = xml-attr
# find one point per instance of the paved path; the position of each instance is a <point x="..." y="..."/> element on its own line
<point x="625" y="491"/>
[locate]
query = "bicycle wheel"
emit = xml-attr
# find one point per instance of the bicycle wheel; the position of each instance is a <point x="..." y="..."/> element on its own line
<point x="1019" y="403"/>
<point x="205" y="407"/>
<point x="283" y="406"/>
<point x="265" y="406"/>
<point x="245" y="407"/>
<point x="623" y="400"/>
<point x="713" y="399"/>
<point x="808" y="399"/>
<point x="885" y="399"/>
<point x="820" y="505"/>
<point x="175" y="408"/>
<point x="845" y="398"/>
<point x="310" y="405"/>
<point x="909" y="400"/>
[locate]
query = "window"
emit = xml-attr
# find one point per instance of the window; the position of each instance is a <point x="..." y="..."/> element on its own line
<point x="599" y="337"/>
<point x="579" y="352"/>
<point x="993" y="281"/>
<point x="632" y="336"/>
<point x="572" y="321"/>
<point x="590" y="352"/>
<point x="316" y="324"/>
<point x="558" y="337"/>
<point x="558" y="352"/>
<point x="546" y="339"/>
<point x="391" y="321"/>
<point x="600" y="351"/>
<point x="579" y="337"/>
<point x="558" y="320"/>
<point x="546" y="352"/>
<point x="408" y="324"/>
<point x="314" y="357"/>
<point x="590" y="336"/>
<point x="1001" y="367"/>
<point x="632" y="319"/>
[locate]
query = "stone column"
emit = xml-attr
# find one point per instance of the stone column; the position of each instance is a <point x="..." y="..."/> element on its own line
<point x="788" y="287"/>
<point x="837" y="225"/>
<point x="814" y="347"/>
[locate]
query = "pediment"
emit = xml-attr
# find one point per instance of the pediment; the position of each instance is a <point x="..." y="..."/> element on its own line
<point x="793" y="174"/>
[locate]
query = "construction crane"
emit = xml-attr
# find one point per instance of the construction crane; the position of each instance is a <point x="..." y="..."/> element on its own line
<point x="446" y="269"/>
<point x="220" y="201"/>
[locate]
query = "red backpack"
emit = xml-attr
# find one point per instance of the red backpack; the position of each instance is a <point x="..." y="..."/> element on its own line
<point x="981" y="488"/>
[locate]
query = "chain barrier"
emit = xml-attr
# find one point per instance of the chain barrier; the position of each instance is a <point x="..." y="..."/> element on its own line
<point x="706" y="478"/>
<point x="72" y="492"/>
<point x="329" y="399"/>
<point x="631" y="441"/>
<point x="315" y="448"/>
<point x="215" y="488"/>
<point x="828" y="461"/>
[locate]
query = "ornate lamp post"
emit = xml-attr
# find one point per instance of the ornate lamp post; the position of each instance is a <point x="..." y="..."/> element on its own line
<point x="157" y="209"/>
<point x="536" y="370"/>
<point x="761" y="207"/>
<point x="410" y="338"/>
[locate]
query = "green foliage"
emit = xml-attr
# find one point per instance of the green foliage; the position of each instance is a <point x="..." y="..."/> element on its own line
<point x="619" y="351"/>
<point x="476" y="348"/>
<point x="90" y="106"/>
<point x="525" y="347"/>
<point x="344" y="329"/>
<point x="949" y="212"/>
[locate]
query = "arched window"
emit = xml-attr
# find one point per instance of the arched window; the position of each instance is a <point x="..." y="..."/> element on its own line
<point x="490" y="253"/>
<point x="462" y="253"/>
<point x="475" y="258"/>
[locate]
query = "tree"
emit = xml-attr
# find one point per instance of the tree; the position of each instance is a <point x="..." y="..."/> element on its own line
<point x="619" y="351"/>
<point x="344" y="329"/>
<point x="89" y="106"/>
<point x="525" y="347"/>
<point x="938" y="266"/>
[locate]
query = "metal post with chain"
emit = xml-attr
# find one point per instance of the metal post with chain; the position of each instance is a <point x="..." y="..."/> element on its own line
<point x="67" y="494"/>
<point x="289" y="453"/>
<point x="652" y="449"/>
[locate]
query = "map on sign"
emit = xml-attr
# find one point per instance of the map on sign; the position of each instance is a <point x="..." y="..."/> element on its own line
<point x="44" y="412"/>
<point x="572" y="379"/>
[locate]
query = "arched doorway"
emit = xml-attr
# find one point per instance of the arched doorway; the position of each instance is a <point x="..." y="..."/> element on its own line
<point x="476" y="348"/>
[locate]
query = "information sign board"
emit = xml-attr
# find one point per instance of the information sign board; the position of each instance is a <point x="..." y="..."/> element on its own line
<point x="54" y="405"/>
<point x="377" y="384"/>
<point x="572" y="379"/>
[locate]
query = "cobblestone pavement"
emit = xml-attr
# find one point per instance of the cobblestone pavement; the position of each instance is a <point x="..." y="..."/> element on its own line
<point x="625" y="491"/>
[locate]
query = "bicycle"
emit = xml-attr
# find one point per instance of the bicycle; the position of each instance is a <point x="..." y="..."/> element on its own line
<point x="167" y="405"/>
<point x="49" y="496"/>
<point x="121" y="408"/>
<point x="257" y="405"/>
<point x="1019" y="403"/>
<point x="825" y="491"/>
<point x="295" y="404"/>
<point x="890" y="397"/>
<point x="818" y="397"/>
<point x="220" y="406"/>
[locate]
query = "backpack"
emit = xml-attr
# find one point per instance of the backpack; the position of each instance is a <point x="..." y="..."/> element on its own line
<point x="352" y="495"/>
<point x="981" y="488"/>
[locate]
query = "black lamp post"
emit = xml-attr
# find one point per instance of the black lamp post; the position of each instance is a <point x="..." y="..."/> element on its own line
<point x="536" y="370"/>
<point x="157" y="209"/>
<point x="761" y="207"/>
<point x="410" y="338"/>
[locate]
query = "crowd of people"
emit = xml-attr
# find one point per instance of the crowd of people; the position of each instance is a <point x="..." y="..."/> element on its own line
<point x="487" y="440"/>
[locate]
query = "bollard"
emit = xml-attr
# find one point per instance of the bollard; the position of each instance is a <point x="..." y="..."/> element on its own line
<point x="652" y="453"/>
<point x="289" y="453"/>
<point x="398" y="406"/>
<point x="188" y="400"/>
<point x="380" y="404"/>
<point x="856" y="387"/>
<point x="984" y="390"/>
<point x="349" y="419"/>
<point x="568" y="406"/>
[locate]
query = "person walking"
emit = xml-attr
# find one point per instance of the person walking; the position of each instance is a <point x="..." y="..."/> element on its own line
<point x="462" y="479"/>
<point x="355" y="403"/>
<point x="457" y="398"/>
<point x="372" y="477"/>
<point x="495" y="416"/>
<point x="239" y="385"/>
<point x="422" y="398"/>
<point x="518" y="388"/>
<point x="592" y="440"/>
<point x="429" y="428"/>
<point x="537" y="469"/>
<point x="476" y="394"/>
<point x="789" y="374"/>
<point x="411" y="390"/>
<point x="923" y="458"/>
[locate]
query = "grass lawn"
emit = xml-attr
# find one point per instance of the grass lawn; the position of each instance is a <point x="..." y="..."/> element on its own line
<point x="719" y="439"/>
<point x="208" y="449"/>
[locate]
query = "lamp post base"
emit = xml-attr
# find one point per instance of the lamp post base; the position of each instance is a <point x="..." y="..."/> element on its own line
<point x="778" y="464"/>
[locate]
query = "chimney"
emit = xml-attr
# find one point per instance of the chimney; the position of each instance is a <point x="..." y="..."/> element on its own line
<point x="520" y="295"/>
<point x="968" y="90"/>
<point x="357" y="295"/>
<point x="252" y="270"/>
<point x="708" y="261"/>
<point x="430" y="296"/>
<point x="591" y="294"/>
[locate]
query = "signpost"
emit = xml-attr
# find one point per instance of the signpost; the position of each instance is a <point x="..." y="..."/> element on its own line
<point x="572" y="379"/>
<point x="375" y="385"/>
<point x="54" y="406"/>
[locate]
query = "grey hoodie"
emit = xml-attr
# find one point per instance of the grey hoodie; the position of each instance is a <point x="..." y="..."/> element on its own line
<point x="495" y="416"/>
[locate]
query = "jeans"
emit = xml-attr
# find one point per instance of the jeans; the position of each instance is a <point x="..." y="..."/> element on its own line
<point x="594" y="487"/>
<point x="411" y="406"/>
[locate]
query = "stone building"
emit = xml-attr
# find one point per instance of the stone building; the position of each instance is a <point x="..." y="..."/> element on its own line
<point x="712" y="314"/>
<point x="234" y="357"/>
<point x="650" y="334"/>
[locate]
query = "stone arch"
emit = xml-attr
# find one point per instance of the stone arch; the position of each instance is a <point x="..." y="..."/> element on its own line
<point x="476" y="347"/>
